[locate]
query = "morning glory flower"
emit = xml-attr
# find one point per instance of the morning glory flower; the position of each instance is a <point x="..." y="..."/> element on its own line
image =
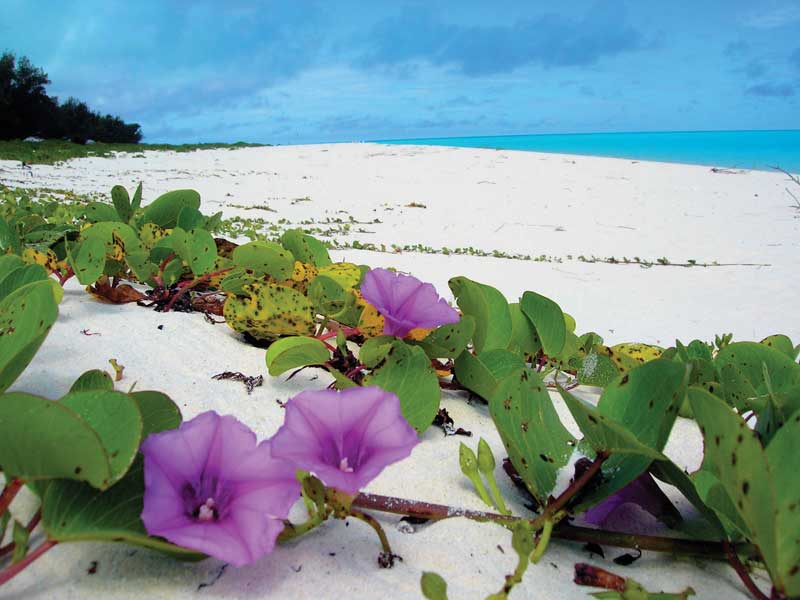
<point x="634" y="508"/>
<point x="405" y="302"/>
<point x="210" y="487"/>
<point x="345" y="438"/>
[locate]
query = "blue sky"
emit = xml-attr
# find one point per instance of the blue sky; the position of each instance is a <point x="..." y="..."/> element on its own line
<point x="305" y="71"/>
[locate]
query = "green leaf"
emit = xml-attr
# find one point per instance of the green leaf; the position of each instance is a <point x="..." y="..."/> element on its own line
<point x="537" y="442"/>
<point x="604" y="434"/>
<point x="190" y="218"/>
<point x="172" y="272"/>
<point x="9" y="238"/>
<point x="73" y="512"/>
<point x="88" y="260"/>
<point x="734" y="455"/>
<point x="269" y="311"/>
<point x="305" y="248"/>
<point x="748" y="357"/>
<point x="98" y="212"/>
<point x="122" y="202"/>
<point x="524" y="339"/>
<point x="26" y="316"/>
<point x="294" y="352"/>
<point x="408" y="373"/>
<point x="433" y="586"/>
<point x="116" y="419"/>
<point x="93" y="380"/>
<point x="202" y="251"/>
<point x="713" y="495"/>
<point x="597" y="369"/>
<point x="137" y="198"/>
<point x="374" y="350"/>
<point x="783" y="457"/>
<point x="164" y="210"/>
<point x="670" y="473"/>
<point x="21" y="276"/>
<point x="345" y="274"/>
<point x="645" y="401"/>
<point x="546" y="316"/>
<point x="8" y="263"/>
<point x="448" y="341"/>
<point x="782" y="344"/>
<point x="490" y="310"/>
<point x="42" y="439"/>
<point x="158" y="411"/>
<point x="265" y="258"/>
<point x="19" y="537"/>
<point x="481" y="374"/>
<point x="327" y="296"/>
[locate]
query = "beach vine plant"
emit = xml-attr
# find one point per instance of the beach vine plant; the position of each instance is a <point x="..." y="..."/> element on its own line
<point x="390" y="343"/>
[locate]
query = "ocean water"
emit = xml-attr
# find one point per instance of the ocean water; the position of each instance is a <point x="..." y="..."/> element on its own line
<point x="730" y="149"/>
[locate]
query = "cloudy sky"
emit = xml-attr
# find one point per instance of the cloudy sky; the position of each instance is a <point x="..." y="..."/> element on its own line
<point x="305" y="71"/>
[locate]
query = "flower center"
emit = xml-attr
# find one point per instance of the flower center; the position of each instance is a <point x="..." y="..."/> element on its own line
<point x="207" y="511"/>
<point x="344" y="466"/>
<point x="207" y="501"/>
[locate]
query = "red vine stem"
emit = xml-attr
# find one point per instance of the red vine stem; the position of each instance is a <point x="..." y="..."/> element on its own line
<point x="186" y="286"/>
<point x="576" y="485"/>
<point x="347" y="331"/>
<point x="9" y="491"/>
<point x="436" y="512"/>
<point x="8" y="573"/>
<point x="741" y="571"/>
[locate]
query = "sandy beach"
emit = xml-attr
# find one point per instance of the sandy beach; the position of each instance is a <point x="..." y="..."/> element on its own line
<point x="553" y="208"/>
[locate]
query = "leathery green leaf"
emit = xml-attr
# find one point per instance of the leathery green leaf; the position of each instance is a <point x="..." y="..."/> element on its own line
<point x="481" y="374"/>
<point x="269" y="311"/>
<point x="158" y="411"/>
<point x="93" y="380"/>
<point x="42" y="439"/>
<point x="490" y="310"/>
<point x="546" y="316"/>
<point x="734" y="455"/>
<point x="122" y="202"/>
<point x="294" y="352"/>
<point x="265" y="258"/>
<point x="116" y="419"/>
<point x="305" y="248"/>
<point x="645" y="401"/>
<point x="408" y="373"/>
<point x="73" y="512"/>
<point x="533" y="435"/>
<point x="783" y="456"/>
<point x="88" y="260"/>
<point x="164" y="210"/>
<point x="605" y="434"/>
<point x="448" y="341"/>
<point x="26" y="316"/>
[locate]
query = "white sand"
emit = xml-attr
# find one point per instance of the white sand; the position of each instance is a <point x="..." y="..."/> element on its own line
<point x="515" y="202"/>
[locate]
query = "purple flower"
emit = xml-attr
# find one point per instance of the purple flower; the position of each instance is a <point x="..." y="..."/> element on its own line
<point x="211" y="488"/>
<point x="344" y="437"/>
<point x="634" y="508"/>
<point x="405" y="302"/>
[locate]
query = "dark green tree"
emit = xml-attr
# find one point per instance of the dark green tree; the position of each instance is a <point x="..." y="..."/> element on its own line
<point x="27" y="110"/>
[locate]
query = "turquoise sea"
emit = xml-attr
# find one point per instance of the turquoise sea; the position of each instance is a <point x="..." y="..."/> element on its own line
<point x="730" y="149"/>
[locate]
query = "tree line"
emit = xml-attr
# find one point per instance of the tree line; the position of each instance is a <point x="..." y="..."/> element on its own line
<point x="26" y="110"/>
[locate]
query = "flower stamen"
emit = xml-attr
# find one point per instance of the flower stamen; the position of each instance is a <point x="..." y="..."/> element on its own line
<point x="207" y="511"/>
<point x="344" y="466"/>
